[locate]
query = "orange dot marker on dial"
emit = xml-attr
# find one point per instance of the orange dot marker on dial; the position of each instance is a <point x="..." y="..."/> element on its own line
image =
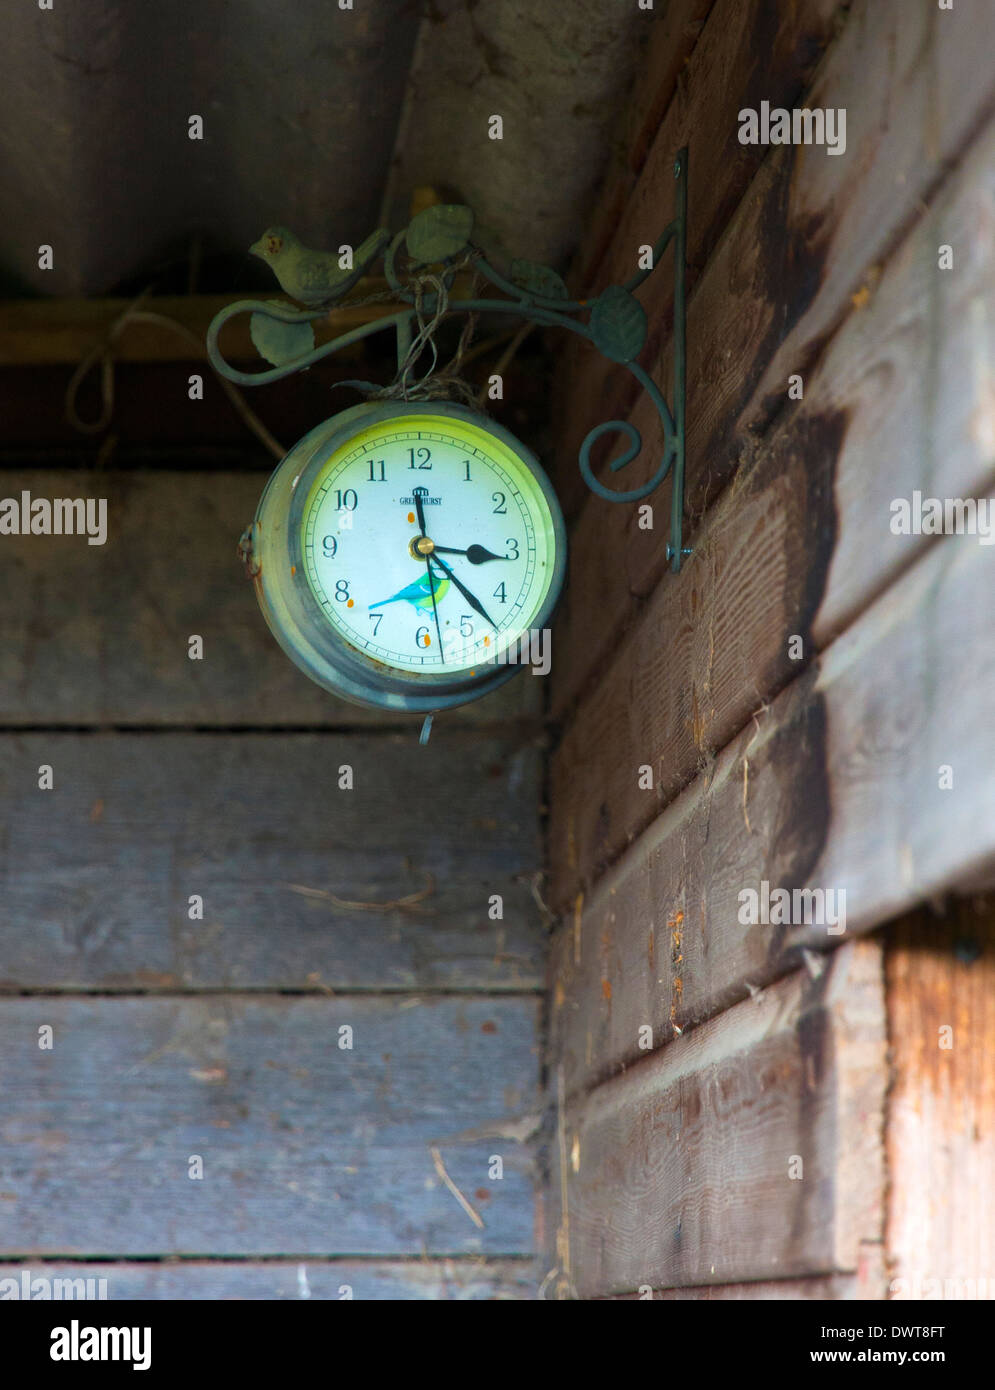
<point x="349" y="603"/>
<point x="411" y="516"/>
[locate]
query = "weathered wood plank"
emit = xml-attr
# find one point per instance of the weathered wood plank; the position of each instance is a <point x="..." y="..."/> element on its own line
<point x="838" y="786"/>
<point x="307" y="1148"/>
<point x="97" y="874"/>
<point x="725" y="72"/>
<point x="940" y="1139"/>
<point x="40" y="332"/>
<point x="827" y="1288"/>
<point x="334" y="1280"/>
<point x="802" y="541"/>
<point x="671" y="40"/>
<point x="100" y="634"/>
<point x="810" y="233"/>
<point x="680" y="1172"/>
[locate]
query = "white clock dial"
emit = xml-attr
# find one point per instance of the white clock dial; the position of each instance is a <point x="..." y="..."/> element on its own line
<point x="429" y="544"/>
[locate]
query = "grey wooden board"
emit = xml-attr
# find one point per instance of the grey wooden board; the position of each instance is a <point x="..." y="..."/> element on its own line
<point x="462" y="1280"/>
<point x="99" y="634"/>
<point x="307" y="1149"/>
<point x="834" y="1287"/>
<point x="96" y="875"/>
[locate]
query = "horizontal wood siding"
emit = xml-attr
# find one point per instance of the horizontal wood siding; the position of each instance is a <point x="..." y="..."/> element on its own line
<point x="749" y="1150"/>
<point x="100" y="634"/>
<point x="463" y="1280"/>
<point x="801" y="543"/>
<point x="307" y="1148"/>
<point x="104" y="866"/>
<point x="836" y="786"/>
<point x="804" y="707"/>
<point x="811" y="232"/>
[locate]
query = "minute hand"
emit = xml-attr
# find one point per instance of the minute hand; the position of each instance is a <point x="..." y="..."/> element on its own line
<point x="473" y="602"/>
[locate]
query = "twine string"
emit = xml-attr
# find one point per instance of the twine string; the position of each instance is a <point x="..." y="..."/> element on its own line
<point x="435" y="383"/>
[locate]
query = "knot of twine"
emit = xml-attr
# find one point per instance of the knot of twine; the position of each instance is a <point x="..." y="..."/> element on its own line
<point x="436" y="383"/>
<point x="102" y="355"/>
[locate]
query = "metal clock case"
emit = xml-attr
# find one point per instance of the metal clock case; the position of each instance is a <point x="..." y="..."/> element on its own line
<point x="283" y="567"/>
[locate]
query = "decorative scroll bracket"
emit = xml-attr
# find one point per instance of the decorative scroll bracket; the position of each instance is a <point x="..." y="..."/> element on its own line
<point x="440" y="237"/>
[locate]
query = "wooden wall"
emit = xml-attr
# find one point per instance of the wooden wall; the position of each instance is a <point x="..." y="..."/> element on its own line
<point x="175" y="1035"/>
<point x="770" y="1111"/>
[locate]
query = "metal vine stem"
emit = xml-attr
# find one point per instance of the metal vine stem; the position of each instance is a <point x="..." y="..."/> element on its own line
<point x="618" y="331"/>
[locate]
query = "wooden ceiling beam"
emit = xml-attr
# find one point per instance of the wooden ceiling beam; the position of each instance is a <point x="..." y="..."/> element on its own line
<point x="50" y="332"/>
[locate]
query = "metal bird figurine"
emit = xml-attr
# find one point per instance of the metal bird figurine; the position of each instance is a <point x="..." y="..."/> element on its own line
<point x="419" y="594"/>
<point x="314" y="277"/>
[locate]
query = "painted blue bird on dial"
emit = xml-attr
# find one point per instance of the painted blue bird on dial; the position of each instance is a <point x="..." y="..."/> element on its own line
<point x="419" y="594"/>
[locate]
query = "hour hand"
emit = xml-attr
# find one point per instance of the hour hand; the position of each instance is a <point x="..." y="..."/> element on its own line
<point x="476" y="554"/>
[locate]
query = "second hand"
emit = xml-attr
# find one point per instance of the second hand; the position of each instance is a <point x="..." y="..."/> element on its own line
<point x="431" y="578"/>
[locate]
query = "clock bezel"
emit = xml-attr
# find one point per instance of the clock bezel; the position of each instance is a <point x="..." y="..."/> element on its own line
<point x="291" y="609"/>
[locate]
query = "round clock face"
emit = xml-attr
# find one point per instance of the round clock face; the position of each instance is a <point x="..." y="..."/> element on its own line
<point x="429" y="543"/>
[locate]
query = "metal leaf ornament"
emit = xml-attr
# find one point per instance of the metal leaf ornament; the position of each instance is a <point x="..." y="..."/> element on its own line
<point x="438" y="233"/>
<point x="538" y="279"/>
<point x="280" y="342"/>
<point x="618" y="324"/>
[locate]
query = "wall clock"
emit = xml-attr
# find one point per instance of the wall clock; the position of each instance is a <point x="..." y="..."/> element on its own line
<point x="402" y="550"/>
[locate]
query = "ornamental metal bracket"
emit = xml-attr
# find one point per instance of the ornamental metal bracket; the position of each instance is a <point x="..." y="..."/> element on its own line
<point x="438" y="246"/>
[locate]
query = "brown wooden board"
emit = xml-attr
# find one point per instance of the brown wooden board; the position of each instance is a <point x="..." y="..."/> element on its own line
<point x="676" y="29"/>
<point x="155" y="423"/>
<point x="797" y="547"/>
<point x="811" y="232"/>
<point x="332" y="1280"/>
<point x="100" y="634"/>
<point x="97" y="874"/>
<point x="679" y="1172"/>
<point x="724" y="73"/>
<point x="44" y="331"/>
<point x="940" y="1140"/>
<point x="838" y="785"/>
<point x="307" y="1148"/>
